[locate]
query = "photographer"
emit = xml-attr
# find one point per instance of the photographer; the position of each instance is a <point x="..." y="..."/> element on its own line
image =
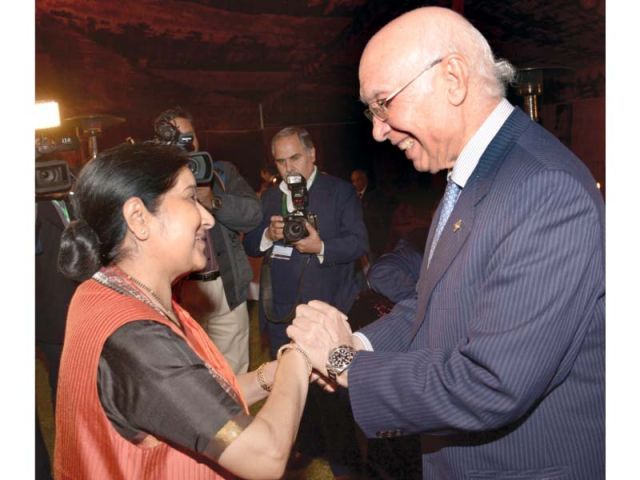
<point x="319" y="265"/>
<point x="217" y="295"/>
<point x="311" y="236"/>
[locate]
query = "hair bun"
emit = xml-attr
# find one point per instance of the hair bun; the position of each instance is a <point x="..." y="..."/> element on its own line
<point x="79" y="256"/>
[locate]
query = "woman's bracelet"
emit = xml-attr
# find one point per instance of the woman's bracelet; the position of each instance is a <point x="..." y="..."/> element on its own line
<point x="293" y="346"/>
<point x="261" y="381"/>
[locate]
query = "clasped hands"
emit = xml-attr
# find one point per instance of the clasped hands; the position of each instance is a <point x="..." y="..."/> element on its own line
<point x="317" y="328"/>
<point x="310" y="244"/>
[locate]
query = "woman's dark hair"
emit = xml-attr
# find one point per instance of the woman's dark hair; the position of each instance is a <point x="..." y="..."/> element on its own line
<point x="95" y="238"/>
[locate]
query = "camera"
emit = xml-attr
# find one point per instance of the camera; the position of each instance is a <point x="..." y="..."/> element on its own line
<point x="200" y="163"/>
<point x="52" y="176"/>
<point x="294" y="223"/>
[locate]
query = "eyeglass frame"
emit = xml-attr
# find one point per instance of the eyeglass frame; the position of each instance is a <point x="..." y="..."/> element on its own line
<point x="382" y="105"/>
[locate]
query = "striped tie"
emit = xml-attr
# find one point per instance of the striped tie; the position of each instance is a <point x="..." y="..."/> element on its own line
<point x="451" y="195"/>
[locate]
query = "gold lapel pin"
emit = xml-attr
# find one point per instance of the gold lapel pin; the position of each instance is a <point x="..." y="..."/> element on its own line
<point x="457" y="226"/>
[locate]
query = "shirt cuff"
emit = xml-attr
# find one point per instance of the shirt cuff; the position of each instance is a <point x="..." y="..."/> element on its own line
<point x="320" y="255"/>
<point x="365" y="341"/>
<point x="265" y="243"/>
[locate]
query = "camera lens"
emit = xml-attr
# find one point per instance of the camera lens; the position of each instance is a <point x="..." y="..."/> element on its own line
<point x="193" y="166"/>
<point x="48" y="176"/>
<point x="294" y="229"/>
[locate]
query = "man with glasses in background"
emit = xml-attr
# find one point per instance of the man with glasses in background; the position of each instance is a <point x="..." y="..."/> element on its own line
<point x="498" y="361"/>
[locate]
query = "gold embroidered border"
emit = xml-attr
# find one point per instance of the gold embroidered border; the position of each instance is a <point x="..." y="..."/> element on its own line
<point x="227" y="434"/>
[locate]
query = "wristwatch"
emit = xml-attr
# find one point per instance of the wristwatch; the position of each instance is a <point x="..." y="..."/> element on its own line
<point x="339" y="360"/>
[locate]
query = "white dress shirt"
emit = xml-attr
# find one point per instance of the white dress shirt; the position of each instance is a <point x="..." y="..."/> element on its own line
<point x="469" y="158"/>
<point x="266" y="243"/>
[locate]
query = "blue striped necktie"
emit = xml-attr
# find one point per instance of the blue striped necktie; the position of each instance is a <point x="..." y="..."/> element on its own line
<point x="451" y="195"/>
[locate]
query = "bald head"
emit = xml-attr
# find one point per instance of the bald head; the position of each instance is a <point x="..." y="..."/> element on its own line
<point x="430" y="80"/>
<point x="426" y="34"/>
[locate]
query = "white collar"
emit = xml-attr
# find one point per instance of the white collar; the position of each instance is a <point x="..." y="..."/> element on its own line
<point x="478" y="143"/>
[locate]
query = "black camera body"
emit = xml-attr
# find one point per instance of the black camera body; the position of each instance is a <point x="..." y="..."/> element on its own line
<point x="200" y="163"/>
<point x="52" y="177"/>
<point x="294" y="223"/>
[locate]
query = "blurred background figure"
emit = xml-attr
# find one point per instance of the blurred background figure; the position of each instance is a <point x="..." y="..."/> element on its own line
<point x="217" y="295"/>
<point x="376" y="210"/>
<point x="268" y="178"/>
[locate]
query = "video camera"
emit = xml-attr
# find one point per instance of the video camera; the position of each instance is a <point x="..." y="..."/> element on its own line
<point x="53" y="176"/>
<point x="294" y="223"/>
<point x="200" y="163"/>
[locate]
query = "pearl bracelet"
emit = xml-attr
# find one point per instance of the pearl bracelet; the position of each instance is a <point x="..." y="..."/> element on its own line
<point x="261" y="381"/>
<point x="293" y="346"/>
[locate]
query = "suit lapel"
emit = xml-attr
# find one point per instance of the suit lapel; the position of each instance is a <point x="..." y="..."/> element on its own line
<point x="461" y="221"/>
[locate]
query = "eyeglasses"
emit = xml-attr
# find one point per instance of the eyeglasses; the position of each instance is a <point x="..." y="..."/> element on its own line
<point x="380" y="108"/>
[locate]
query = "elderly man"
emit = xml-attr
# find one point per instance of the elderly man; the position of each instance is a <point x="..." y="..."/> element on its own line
<point x="499" y="361"/>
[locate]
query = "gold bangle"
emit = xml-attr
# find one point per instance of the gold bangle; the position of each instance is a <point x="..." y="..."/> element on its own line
<point x="261" y="381"/>
<point x="293" y="346"/>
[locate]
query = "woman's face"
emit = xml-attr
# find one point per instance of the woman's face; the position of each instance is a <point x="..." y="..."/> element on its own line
<point x="179" y="228"/>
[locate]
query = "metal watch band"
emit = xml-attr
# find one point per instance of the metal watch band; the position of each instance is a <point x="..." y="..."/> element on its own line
<point x="339" y="360"/>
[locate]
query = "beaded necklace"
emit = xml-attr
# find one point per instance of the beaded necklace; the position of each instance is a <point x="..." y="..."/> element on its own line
<point x="167" y="312"/>
<point x="119" y="280"/>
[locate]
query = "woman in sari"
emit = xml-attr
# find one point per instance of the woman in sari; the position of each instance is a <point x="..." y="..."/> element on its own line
<point x="143" y="393"/>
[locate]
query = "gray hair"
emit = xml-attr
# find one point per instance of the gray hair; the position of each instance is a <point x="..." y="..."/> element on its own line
<point x="300" y="132"/>
<point x="491" y="72"/>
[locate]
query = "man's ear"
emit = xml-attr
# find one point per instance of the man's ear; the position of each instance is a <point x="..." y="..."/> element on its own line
<point x="136" y="216"/>
<point x="312" y="152"/>
<point x="457" y="71"/>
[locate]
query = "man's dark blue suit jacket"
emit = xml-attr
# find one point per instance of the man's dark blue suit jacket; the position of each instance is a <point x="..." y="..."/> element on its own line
<point x="344" y="234"/>
<point x="499" y="361"/>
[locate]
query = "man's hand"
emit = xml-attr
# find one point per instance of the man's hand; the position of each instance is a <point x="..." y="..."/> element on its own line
<point x="310" y="244"/>
<point x="274" y="231"/>
<point x="317" y="328"/>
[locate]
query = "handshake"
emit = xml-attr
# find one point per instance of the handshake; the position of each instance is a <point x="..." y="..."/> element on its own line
<point x="323" y="332"/>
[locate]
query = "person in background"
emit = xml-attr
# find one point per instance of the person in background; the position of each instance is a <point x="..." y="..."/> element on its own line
<point x="395" y="274"/>
<point x="320" y="265"/>
<point x="53" y="293"/>
<point x="498" y="362"/>
<point x="143" y="392"/>
<point x="217" y="295"/>
<point x="268" y="178"/>
<point x="376" y="209"/>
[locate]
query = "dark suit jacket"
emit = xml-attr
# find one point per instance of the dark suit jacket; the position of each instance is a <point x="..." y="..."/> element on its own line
<point x="499" y="362"/>
<point x="377" y="209"/>
<point x="344" y="235"/>
<point x="396" y="273"/>
<point x="53" y="290"/>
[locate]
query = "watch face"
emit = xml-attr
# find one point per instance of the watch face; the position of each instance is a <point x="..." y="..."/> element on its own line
<point x="339" y="359"/>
